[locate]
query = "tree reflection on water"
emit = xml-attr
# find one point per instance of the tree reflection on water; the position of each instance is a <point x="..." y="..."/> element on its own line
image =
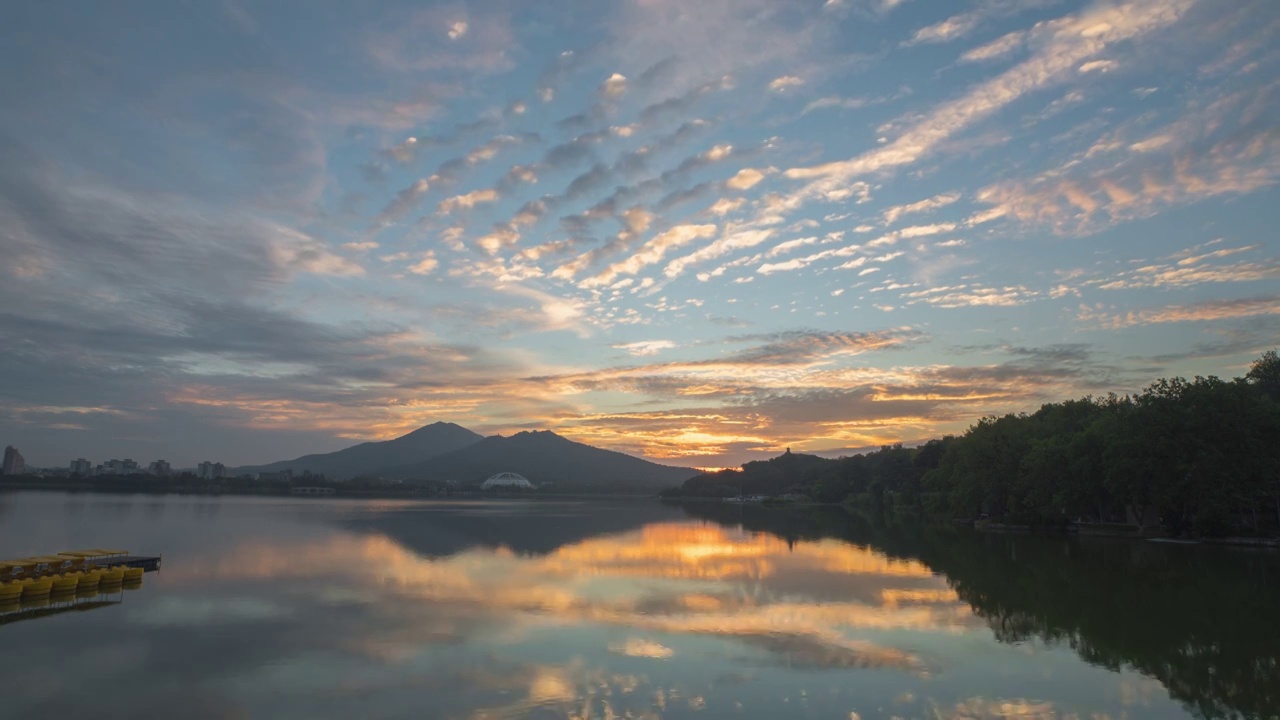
<point x="1203" y="620"/>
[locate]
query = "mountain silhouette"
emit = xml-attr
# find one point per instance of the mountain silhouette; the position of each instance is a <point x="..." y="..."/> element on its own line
<point x="543" y="457"/>
<point x="366" y="458"/>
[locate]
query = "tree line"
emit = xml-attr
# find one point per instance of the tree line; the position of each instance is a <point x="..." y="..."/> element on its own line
<point x="1198" y="457"/>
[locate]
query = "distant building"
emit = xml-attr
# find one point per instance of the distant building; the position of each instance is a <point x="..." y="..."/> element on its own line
<point x="211" y="470"/>
<point x="160" y="468"/>
<point x="81" y="468"/>
<point x="13" y="462"/>
<point x="119" y="467"/>
<point x="507" y="480"/>
<point x="285" y="475"/>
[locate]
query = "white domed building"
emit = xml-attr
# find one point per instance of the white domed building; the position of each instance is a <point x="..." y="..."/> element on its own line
<point x="507" y="481"/>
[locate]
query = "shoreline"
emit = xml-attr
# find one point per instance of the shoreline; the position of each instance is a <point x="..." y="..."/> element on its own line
<point x="1085" y="530"/>
<point x="1124" y="532"/>
<point x="339" y="493"/>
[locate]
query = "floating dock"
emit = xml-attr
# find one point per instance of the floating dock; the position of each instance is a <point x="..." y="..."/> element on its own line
<point x="99" y="558"/>
<point x="71" y="571"/>
<point x="148" y="563"/>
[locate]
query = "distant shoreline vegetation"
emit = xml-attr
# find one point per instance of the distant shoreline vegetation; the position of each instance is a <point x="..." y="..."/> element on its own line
<point x="1182" y="457"/>
<point x="371" y="488"/>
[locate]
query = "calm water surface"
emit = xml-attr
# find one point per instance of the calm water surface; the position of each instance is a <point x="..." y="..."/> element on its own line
<point x="287" y="608"/>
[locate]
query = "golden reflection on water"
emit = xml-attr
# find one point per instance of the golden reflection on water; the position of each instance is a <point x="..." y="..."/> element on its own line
<point x="806" y="601"/>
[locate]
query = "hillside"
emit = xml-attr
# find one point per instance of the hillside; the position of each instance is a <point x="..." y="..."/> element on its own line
<point x="789" y="472"/>
<point x="367" y="458"/>
<point x="543" y="457"/>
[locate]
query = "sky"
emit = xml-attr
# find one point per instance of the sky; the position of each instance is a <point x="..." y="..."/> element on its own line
<point x="697" y="232"/>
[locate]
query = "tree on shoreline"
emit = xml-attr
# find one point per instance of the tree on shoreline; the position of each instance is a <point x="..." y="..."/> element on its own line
<point x="1199" y="457"/>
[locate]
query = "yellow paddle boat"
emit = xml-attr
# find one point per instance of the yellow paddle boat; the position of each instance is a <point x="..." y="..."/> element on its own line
<point x="89" y="579"/>
<point x="133" y="573"/>
<point x="39" y="566"/>
<point x="36" y="587"/>
<point x="113" y="575"/>
<point x="10" y="590"/>
<point x="94" y="556"/>
<point x="18" y="569"/>
<point x="12" y="570"/>
<point x="54" y="564"/>
<point x="66" y="583"/>
<point x="8" y="606"/>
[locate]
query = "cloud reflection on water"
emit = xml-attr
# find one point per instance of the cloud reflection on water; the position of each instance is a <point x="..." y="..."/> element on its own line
<point x="806" y="604"/>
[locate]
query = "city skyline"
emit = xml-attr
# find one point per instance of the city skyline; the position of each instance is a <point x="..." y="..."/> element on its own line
<point x="697" y="233"/>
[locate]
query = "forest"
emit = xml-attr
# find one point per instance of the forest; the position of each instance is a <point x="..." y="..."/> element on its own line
<point x="1196" y="457"/>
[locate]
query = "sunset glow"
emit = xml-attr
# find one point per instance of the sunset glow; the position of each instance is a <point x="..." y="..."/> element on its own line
<point x="697" y="232"/>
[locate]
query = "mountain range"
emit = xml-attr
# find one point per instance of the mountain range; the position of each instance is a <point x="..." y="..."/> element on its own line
<point x="366" y="458"/>
<point x="446" y="452"/>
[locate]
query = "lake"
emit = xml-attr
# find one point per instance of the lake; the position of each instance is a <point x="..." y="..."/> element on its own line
<point x="306" y="608"/>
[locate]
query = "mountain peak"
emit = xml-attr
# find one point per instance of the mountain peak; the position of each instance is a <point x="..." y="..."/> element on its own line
<point x="437" y="425"/>
<point x="418" y="445"/>
<point x="542" y="456"/>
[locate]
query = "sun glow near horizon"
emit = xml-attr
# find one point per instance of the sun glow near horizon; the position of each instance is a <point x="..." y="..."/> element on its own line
<point x="697" y="233"/>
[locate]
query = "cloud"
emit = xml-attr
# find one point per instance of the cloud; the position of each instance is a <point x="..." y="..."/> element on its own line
<point x="834" y="102"/>
<point x="296" y="251"/>
<point x="601" y="175"/>
<point x="963" y="24"/>
<point x="411" y="147"/>
<point x="785" y="247"/>
<point x="426" y="265"/>
<point x="973" y="296"/>
<point x="1207" y="311"/>
<point x="804" y="386"/>
<point x="177" y="328"/>
<point x="564" y="65"/>
<point x="490" y="149"/>
<point x="401" y="47"/>
<point x="711" y="39"/>
<point x="404" y="151"/>
<point x="652" y="252"/>
<point x="852" y="103"/>
<point x="644" y="348"/>
<point x="733" y="238"/>
<point x="997" y="48"/>
<point x="785" y="82"/>
<point x="945" y="31"/>
<point x="405" y="202"/>
<point x="724" y="206"/>
<point x="1098" y="66"/>
<point x="1186" y="275"/>
<point x="501" y="237"/>
<point x="206" y="273"/>
<point x="467" y="201"/>
<point x="1221" y="147"/>
<point x="846" y="251"/>
<point x="892" y="214"/>
<point x="679" y="105"/>
<point x="1062" y="45"/>
<point x="745" y="179"/>
<point x="614" y="87"/>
